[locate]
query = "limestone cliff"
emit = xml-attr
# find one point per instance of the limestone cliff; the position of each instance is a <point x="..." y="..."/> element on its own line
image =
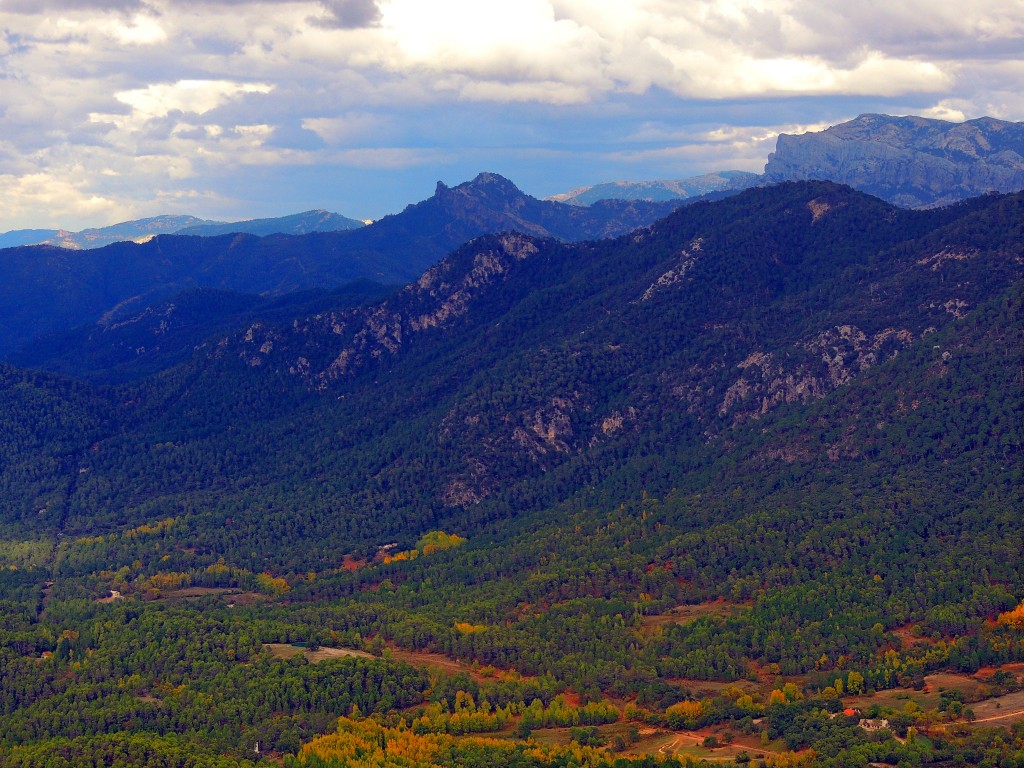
<point x="914" y="162"/>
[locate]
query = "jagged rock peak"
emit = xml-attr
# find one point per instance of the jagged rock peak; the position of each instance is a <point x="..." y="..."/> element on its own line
<point x="492" y="180"/>
<point x="483" y="183"/>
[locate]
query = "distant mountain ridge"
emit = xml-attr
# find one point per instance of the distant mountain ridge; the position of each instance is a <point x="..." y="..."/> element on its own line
<point x="17" y="237"/>
<point x="140" y="230"/>
<point x="136" y="231"/>
<point x="666" y="189"/>
<point x="317" y="220"/>
<point x="913" y="162"/>
<point x="51" y="290"/>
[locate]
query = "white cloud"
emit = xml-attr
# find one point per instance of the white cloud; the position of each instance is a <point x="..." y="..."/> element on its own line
<point x="547" y="92"/>
<point x="196" y="96"/>
<point x="945" y="110"/>
<point x="25" y="197"/>
<point x="691" y="152"/>
<point x="173" y="95"/>
<point x="346" y="128"/>
<point x="144" y="30"/>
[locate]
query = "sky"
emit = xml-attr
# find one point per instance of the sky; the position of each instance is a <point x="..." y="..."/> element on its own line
<point x="112" y="110"/>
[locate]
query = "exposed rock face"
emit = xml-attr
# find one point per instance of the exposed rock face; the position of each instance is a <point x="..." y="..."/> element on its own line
<point x="828" y="361"/>
<point x="547" y="428"/>
<point x="492" y="203"/>
<point x="444" y="294"/>
<point x="687" y="259"/>
<point x="840" y="283"/>
<point x="913" y="162"/>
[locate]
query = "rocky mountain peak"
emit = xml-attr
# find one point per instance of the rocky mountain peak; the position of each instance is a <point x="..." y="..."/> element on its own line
<point x="486" y="186"/>
<point x="915" y="162"/>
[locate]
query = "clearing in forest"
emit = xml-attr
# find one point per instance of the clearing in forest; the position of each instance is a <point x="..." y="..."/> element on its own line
<point x="683" y="614"/>
<point x="314" y="655"/>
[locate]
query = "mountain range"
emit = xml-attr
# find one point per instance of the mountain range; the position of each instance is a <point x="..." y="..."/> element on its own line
<point x="708" y="184"/>
<point x="742" y="474"/>
<point x="913" y="162"/>
<point x="142" y="230"/>
<point x="520" y="360"/>
<point x="53" y="290"/>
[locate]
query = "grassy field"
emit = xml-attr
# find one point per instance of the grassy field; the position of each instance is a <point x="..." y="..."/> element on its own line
<point x="286" y="651"/>
<point x="1002" y="710"/>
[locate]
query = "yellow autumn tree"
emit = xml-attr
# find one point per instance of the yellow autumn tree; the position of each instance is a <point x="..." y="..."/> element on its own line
<point x="792" y="759"/>
<point x="685" y="714"/>
<point x="273" y="585"/>
<point x="1014" y="618"/>
<point x="436" y="541"/>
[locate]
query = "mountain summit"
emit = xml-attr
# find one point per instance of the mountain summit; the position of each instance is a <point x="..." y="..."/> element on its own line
<point x="492" y="203"/>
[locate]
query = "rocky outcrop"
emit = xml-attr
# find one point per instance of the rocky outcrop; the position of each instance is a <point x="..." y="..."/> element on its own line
<point x="810" y="371"/>
<point x="687" y="259"/>
<point x="360" y="336"/>
<point x="914" y="162"/>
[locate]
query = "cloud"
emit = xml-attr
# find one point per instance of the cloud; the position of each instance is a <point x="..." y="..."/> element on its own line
<point x="547" y="92"/>
<point x="349" y="14"/>
<point x="35" y="7"/>
<point x="196" y="96"/>
<point x="347" y="128"/>
<point x="945" y="110"/>
<point x="133" y="104"/>
<point x="28" y="194"/>
<point x="143" y="30"/>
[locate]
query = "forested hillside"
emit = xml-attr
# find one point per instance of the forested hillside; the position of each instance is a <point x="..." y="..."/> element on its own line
<point x="52" y="290"/>
<point x="731" y="473"/>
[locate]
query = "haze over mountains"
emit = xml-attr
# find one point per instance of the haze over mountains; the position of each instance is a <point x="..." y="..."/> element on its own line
<point x="697" y="186"/>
